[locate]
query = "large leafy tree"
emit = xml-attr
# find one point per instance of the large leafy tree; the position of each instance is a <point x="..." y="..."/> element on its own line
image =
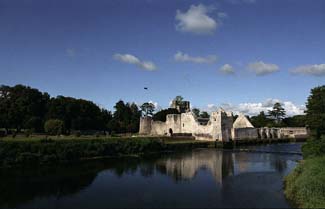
<point x="78" y="114"/>
<point x="295" y="121"/>
<point x="147" y="108"/>
<point x="277" y="113"/>
<point x="21" y="103"/>
<point x="261" y="120"/>
<point x="315" y="113"/>
<point x="126" y="118"/>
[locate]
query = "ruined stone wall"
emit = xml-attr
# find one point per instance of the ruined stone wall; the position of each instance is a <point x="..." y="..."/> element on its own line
<point x="173" y="123"/>
<point x="158" y="128"/>
<point x="145" y="125"/>
<point x="294" y="132"/>
<point x="244" y="133"/>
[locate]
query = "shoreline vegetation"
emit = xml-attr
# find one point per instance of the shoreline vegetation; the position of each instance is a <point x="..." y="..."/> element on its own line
<point x="54" y="150"/>
<point x="305" y="185"/>
<point x="43" y="150"/>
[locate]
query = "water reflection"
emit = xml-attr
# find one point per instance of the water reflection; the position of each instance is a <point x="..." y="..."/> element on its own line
<point x="134" y="182"/>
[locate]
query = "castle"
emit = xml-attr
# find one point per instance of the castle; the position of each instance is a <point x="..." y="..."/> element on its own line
<point x="219" y="127"/>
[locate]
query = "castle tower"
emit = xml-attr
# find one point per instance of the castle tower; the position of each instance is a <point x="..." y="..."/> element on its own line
<point x="181" y="106"/>
<point x="145" y="125"/>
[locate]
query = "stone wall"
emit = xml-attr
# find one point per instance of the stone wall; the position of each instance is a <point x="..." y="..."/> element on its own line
<point x="244" y="133"/>
<point x="145" y="125"/>
<point x="158" y="128"/>
<point x="220" y="127"/>
<point x="294" y="132"/>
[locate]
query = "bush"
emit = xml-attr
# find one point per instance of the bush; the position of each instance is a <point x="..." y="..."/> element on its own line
<point x="314" y="147"/>
<point x="42" y="152"/>
<point x="305" y="186"/>
<point x="54" y="127"/>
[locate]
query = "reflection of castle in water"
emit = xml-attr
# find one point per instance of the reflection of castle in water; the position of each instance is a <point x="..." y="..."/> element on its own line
<point x="220" y="164"/>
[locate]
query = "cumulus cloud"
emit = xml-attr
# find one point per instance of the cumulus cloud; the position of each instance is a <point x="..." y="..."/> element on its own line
<point x="131" y="59"/>
<point x="182" y="57"/>
<point x="315" y="70"/>
<point x="227" y="69"/>
<point x="260" y="68"/>
<point x="197" y="20"/>
<point x="251" y="108"/>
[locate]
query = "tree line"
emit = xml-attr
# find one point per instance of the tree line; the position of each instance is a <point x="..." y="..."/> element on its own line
<point x="277" y="118"/>
<point x="26" y="108"/>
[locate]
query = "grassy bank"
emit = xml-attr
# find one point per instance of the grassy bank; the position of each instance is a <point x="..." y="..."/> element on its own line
<point x="50" y="151"/>
<point x="305" y="185"/>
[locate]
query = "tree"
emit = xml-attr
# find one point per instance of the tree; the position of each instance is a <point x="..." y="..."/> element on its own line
<point x="295" y="121"/>
<point x="178" y="99"/>
<point x="315" y="113"/>
<point x="147" y="108"/>
<point x="161" y="115"/>
<point x="277" y="113"/>
<point x="204" y="114"/>
<point x="196" y="112"/>
<point x="54" y="127"/>
<point x="261" y="120"/>
<point x="19" y="104"/>
<point x="126" y="118"/>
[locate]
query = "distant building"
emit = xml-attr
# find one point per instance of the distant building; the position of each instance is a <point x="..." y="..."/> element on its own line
<point x="219" y="127"/>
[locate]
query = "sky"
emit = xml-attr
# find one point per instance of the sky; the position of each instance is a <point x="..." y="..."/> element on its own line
<point x="242" y="55"/>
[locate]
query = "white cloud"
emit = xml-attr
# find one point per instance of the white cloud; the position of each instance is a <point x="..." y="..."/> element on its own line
<point x="182" y="57"/>
<point x="196" y="20"/>
<point x="227" y="69"/>
<point x="260" y="68"/>
<point x="131" y="59"/>
<point x="70" y="52"/>
<point x="250" y="108"/>
<point x="315" y="70"/>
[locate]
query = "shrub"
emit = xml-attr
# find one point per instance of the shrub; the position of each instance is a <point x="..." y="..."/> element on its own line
<point x="54" y="127"/>
<point x="314" y="147"/>
<point x="306" y="184"/>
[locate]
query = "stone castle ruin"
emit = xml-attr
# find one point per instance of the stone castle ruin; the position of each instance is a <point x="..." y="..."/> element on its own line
<point x="219" y="127"/>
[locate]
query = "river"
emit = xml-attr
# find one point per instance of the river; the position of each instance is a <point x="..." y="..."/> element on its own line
<point x="201" y="178"/>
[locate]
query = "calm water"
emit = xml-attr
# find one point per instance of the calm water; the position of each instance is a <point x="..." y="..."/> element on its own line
<point x="199" y="178"/>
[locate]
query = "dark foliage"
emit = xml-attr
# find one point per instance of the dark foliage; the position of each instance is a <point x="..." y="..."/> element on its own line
<point x="315" y="113"/>
<point x="52" y="151"/>
<point x="22" y="107"/>
<point x="161" y="115"/>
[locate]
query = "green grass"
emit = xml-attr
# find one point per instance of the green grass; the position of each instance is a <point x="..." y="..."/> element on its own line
<point x="37" y="150"/>
<point x="305" y="186"/>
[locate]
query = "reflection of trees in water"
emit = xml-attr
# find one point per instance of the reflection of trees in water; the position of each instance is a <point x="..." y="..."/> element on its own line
<point x="21" y="185"/>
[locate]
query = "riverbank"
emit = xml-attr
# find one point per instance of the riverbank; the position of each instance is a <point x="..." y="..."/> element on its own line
<point x="54" y="151"/>
<point x="305" y="185"/>
<point x="39" y="150"/>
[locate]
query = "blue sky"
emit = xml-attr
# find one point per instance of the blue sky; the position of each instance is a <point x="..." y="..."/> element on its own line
<point x="243" y="55"/>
